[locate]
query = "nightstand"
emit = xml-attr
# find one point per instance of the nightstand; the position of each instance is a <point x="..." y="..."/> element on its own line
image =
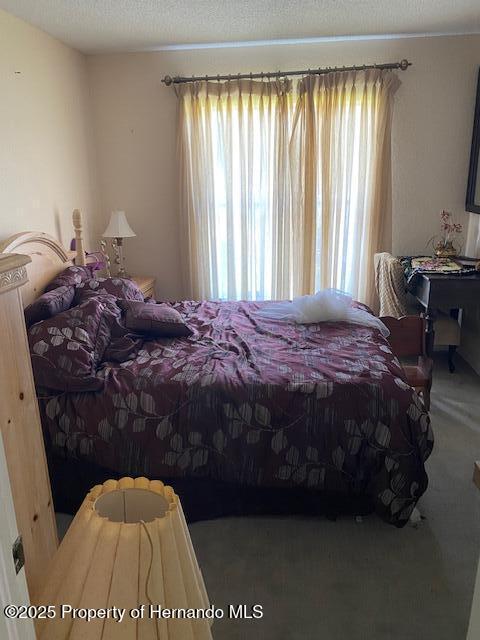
<point x="146" y="284"/>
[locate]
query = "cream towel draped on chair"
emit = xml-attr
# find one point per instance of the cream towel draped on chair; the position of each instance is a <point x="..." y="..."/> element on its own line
<point x="390" y="285"/>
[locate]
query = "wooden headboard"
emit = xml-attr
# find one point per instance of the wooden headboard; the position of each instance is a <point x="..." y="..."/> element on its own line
<point x="48" y="257"/>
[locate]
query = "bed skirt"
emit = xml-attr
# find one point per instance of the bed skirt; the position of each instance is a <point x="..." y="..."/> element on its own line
<point x="205" y="499"/>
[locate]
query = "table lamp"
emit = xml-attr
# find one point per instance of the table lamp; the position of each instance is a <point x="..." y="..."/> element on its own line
<point x="118" y="228"/>
<point x="128" y="546"/>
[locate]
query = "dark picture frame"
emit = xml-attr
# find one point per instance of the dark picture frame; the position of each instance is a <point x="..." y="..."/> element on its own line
<point x="472" y="201"/>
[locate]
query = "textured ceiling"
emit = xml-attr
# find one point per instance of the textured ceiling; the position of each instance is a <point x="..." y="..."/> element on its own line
<point x="126" y="25"/>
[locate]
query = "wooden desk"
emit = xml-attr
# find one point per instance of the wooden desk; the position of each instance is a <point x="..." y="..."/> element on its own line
<point x="435" y="291"/>
<point x="443" y="291"/>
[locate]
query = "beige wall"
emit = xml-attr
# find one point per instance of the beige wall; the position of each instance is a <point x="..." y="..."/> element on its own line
<point x="46" y="149"/>
<point x="134" y="116"/>
<point x="64" y="114"/>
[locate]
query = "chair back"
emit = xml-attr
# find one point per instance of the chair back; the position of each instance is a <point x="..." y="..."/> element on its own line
<point x="407" y="335"/>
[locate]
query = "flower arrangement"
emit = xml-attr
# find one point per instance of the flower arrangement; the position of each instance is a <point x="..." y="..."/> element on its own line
<point x="444" y="248"/>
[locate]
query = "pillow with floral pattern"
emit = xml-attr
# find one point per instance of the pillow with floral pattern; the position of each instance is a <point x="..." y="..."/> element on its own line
<point x="67" y="348"/>
<point x="49" y="304"/>
<point x="70" y="277"/>
<point x="120" y="288"/>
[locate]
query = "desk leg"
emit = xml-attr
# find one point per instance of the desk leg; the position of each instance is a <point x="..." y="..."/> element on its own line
<point x="451" y="352"/>
<point x="457" y="315"/>
<point x="430" y="337"/>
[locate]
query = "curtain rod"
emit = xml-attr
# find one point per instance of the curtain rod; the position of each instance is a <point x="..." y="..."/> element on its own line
<point x="403" y="65"/>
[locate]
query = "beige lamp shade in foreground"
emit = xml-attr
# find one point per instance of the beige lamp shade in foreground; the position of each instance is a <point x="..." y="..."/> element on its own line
<point x="118" y="228"/>
<point x="128" y="546"/>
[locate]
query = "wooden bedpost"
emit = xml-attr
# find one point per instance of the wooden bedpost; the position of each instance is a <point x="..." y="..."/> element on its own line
<point x="77" y="225"/>
<point x="21" y="429"/>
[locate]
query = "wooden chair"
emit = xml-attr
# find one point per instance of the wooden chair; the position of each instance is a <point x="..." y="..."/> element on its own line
<point x="408" y="338"/>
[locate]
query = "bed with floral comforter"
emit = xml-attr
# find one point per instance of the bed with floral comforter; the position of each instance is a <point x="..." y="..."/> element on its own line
<point x="246" y="401"/>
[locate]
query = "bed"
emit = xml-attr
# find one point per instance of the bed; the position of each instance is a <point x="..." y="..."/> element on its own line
<point x="245" y="415"/>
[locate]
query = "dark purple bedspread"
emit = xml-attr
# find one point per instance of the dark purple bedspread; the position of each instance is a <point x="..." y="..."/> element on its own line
<point x="256" y="402"/>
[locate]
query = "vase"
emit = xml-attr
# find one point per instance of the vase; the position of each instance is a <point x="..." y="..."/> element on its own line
<point x="445" y="249"/>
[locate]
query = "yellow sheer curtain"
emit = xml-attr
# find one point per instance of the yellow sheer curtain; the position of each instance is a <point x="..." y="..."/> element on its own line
<point x="235" y="188"/>
<point x="341" y="177"/>
<point x="284" y="192"/>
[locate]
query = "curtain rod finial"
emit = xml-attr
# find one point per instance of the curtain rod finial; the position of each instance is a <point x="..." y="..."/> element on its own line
<point x="168" y="80"/>
<point x="404" y="64"/>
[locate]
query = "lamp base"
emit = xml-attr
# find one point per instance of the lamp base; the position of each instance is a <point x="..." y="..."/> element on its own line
<point x="119" y="260"/>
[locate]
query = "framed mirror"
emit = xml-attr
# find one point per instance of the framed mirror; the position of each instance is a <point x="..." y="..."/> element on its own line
<point x="473" y="186"/>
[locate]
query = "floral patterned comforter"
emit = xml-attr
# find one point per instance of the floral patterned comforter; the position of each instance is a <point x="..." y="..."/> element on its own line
<point x="256" y="402"/>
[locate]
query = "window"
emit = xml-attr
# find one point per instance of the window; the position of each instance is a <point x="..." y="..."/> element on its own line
<point x="285" y="191"/>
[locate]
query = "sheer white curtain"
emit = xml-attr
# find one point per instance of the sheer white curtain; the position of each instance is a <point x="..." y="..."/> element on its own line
<point x="285" y="191"/>
<point x="340" y="153"/>
<point x="236" y="207"/>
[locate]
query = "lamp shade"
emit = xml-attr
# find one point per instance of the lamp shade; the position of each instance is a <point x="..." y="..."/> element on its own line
<point x="128" y="546"/>
<point x="118" y="226"/>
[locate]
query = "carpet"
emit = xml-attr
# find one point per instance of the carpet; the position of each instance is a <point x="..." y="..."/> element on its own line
<point x="319" y="579"/>
<point x="322" y="580"/>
